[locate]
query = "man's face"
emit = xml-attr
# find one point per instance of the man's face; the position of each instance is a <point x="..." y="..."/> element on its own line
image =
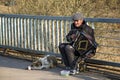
<point x="78" y="23"/>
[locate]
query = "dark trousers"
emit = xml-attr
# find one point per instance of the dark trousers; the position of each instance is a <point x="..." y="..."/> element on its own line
<point x="68" y="54"/>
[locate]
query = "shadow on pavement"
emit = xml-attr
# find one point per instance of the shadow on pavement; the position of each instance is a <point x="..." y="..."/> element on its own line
<point x="13" y="63"/>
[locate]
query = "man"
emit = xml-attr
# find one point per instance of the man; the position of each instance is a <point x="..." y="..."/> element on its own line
<point x="67" y="50"/>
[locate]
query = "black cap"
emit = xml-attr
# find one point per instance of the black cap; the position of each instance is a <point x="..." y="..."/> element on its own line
<point x="77" y="16"/>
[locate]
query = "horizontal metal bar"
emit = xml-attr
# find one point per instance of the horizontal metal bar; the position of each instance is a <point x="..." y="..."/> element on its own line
<point x="111" y="75"/>
<point x="31" y="51"/>
<point x="101" y="62"/>
<point x="103" y="67"/>
<point x="103" y="20"/>
<point x="36" y="17"/>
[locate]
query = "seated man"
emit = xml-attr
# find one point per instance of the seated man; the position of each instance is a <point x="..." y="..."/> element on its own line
<point x="70" y="50"/>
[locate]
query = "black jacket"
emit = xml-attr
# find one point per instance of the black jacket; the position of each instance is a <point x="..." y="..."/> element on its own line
<point x="88" y="31"/>
<point x="83" y="27"/>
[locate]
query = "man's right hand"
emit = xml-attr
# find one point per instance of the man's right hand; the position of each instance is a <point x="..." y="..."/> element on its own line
<point x="73" y="36"/>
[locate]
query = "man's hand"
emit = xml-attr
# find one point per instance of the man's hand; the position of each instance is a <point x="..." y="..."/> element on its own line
<point x="73" y="36"/>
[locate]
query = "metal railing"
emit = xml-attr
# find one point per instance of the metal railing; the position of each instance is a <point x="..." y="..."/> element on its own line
<point x="42" y="34"/>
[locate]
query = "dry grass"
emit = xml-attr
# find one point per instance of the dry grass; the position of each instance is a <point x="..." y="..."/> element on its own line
<point x="90" y="8"/>
<point x="4" y="9"/>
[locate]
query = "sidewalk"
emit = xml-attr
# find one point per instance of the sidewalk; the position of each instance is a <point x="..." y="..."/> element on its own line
<point x="14" y="69"/>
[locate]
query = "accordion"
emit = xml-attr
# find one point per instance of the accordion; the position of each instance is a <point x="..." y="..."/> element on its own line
<point x="82" y="44"/>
